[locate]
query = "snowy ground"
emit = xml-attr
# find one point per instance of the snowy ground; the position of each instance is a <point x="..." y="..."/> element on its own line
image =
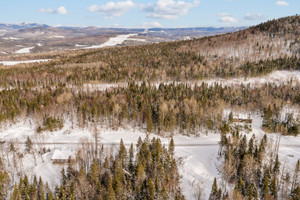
<point x="137" y="39"/>
<point x="102" y="86"/>
<point x="112" y="41"/>
<point x="11" y="38"/>
<point x="24" y="50"/>
<point x="80" y="45"/>
<point x="276" y="77"/>
<point x="59" y="36"/>
<point x="10" y="63"/>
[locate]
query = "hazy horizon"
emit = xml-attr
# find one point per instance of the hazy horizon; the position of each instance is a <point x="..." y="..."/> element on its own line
<point x="145" y="14"/>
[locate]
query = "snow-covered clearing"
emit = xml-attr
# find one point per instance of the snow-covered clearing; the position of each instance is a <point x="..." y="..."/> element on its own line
<point x="10" y="63"/>
<point x="137" y="39"/>
<point x="24" y="50"/>
<point x="102" y="86"/>
<point x="112" y="41"/>
<point x="80" y="45"/>
<point x="59" y="36"/>
<point x="277" y="77"/>
<point x="11" y="38"/>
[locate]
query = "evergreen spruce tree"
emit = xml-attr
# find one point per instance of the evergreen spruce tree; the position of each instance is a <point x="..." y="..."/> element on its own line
<point x="131" y="159"/>
<point x="171" y="147"/>
<point x="122" y="153"/>
<point x="149" y="120"/>
<point x="151" y="189"/>
<point x="276" y="167"/>
<point x="214" y="194"/>
<point x="230" y="117"/>
<point x="110" y="191"/>
<point x="241" y="186"/>
<point x="265" y="189"/>
<point x="273" y="188"/>
<point x="94" y="171"/>
<point x="49" y="196"/>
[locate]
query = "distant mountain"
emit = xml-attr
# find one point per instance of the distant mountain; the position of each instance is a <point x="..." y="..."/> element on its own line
<point x="211" y="29"/>
<point x="23" y="25"/>
<point x="48" y="38"/>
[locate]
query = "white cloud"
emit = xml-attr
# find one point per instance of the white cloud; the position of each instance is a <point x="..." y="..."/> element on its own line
<point x="282" y="3"/>
<point x="112" y="9"/>
<point x="169" y="9"/>
<point x="61" y="10"/>
<point x="151" y="25"/>
<point x="254" y="16"/>
<point x="227" y="18"/>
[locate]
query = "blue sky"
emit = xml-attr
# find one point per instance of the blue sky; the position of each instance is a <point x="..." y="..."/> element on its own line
<point x="142" y="13"/>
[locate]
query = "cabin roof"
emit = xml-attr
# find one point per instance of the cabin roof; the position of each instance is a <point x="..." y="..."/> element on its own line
<point x="63" y="154"/>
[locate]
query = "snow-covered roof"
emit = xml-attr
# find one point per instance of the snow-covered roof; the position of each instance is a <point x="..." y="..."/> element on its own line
<point x="63" y="154"/>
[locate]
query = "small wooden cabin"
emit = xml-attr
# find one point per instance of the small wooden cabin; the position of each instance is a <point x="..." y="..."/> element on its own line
<point x="240" y="120"/>
<point x="63" y="156"/>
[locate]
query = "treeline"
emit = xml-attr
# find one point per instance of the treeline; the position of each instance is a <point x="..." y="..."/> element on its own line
<point x="255" y="170"/>
<point x="267" y="41"/>
<point x="147" y="171"/>
<point x="281" y="26"/>
<point x="167" y="108"/>
<point x="157" y="62"/>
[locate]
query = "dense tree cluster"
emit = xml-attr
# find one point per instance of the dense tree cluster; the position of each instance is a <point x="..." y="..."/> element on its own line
<point x="254" y="170"/>
<point x="272" y="122"/>
<point x="150" y="173"/>
<point x="166" y="108"/>
<point x="50" y="123"/>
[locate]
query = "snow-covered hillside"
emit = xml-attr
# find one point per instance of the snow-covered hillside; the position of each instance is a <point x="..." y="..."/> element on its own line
<point x="10" y="63"/>
<point x="112" y="41"/>
<point x="24" y="50"/>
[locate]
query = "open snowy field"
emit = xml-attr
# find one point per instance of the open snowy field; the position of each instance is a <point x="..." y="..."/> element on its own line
<point x="112" y="41"/>
<point x="276" y="77"/>
<point x="24" y="50"/>
<point x="11" y="63"/>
